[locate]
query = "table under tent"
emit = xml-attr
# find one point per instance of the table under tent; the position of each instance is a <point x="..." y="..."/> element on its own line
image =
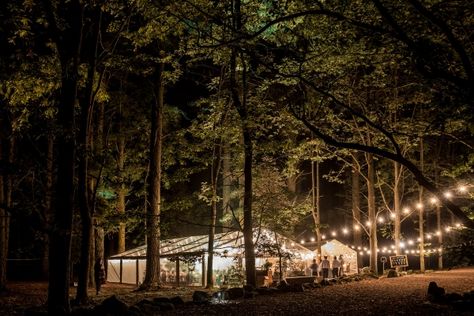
<point x="183" y="261"/>
<point x="335" y="248"/>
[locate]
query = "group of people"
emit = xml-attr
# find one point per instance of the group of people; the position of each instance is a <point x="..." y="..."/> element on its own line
<point x="322" y="269"/>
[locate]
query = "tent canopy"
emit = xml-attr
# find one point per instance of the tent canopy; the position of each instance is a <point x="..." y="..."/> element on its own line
<point x="228" y="243"/>
<point x="336" y="248"/>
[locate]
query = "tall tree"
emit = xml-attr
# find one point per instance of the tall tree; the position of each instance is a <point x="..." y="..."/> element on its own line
<point x="153" y="210"/>
<point x="65" y="26"/>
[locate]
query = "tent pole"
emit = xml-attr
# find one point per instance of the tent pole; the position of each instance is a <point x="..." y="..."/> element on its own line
<point x="137" y="272"/>
<point x="121" y="270"/>
<point x="203" y="281"/>
<point x="177" y="272"/>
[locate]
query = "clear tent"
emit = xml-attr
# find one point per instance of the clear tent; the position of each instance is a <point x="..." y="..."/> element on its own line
<point x="183" y="260"/>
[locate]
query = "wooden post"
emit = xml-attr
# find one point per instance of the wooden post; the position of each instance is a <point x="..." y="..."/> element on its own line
<point x="177" y="271"/>
<point x="121" y="269"/>
<point x="137" y="270"/>
<point x="203" y="279"/>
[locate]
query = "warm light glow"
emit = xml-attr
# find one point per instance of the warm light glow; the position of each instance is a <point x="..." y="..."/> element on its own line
<point x="365" y="248"/>
<point x="406" y="211"/>
<point x="381" y="219"/>
<point x="361" y="253"/>
<point x="402" y="245"/>
<point x="448" y="194"/>
<point x="438" y="233"/>
<point x="333" y="233"/>
<point x="359" y="248"/>
<point x="392" y="246"/>
<point x="428" y="236"/>
<point x="292" y="243"/>
<point x="419" y="205"/>
<point x="407" y="251"/>
<point x="368" y="252"/>
<point x="439" y="249"/>
<point x="368" y="223"/>
<point x="410" y="242"/>
<point x="345" y="231"/>
<point x="462" y="188"/>
<point x="302" y="241"/>
<point x="433" y="200"/>
<point x="417" y="251"/>
<point x="392" y="215"/>
<point x="312" y="239"/>
<point x="356" y="227"/>
<point x="458" y="225"/>
<point x="447" y="229"/>
<point x="323" y="236"/>
<point x="413" y="251"/>
<point x="418" y="239"/>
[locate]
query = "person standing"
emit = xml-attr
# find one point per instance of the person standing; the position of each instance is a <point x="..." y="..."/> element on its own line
<point x="325" y="267"/>
<point x="335" y="267"/>
<point x="314" y="268"/>
<point x="341" y="269"/>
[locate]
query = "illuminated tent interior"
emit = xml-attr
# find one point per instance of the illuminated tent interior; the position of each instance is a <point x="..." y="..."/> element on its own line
<point x="336" y="248"/>
<point x="188" y="255"/>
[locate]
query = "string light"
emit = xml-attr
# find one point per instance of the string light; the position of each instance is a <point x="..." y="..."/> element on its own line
<point x="312" y="239"/>
<point x="419" y="205"/>
<point x="345" y="231"/>
<point x="462" y="188"/>
<point x="448" y="194"/>
<point x="434" y="200"/>
<point x="333" y="233"/>
<point x="392" y="215"/>
<point x="406" y="211"/>
<point x="368" y="223"/>
<point x="381" y="219"/>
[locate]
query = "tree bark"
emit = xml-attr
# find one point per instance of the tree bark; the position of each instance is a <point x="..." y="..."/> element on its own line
<point x="226" y="186"/>
<point x="86" y="208"/>
<point x="152" y="274"/>
<point x="421" y="211"/>
<point x="68" y="41"/>
<point x="372" y="216"/>
<point x="315" y="209"/>
<point x="240" y="103"/>
<point x="397" y="173"/>
<point x="4" y="223"/>
<point x="121" y="191"/>
<point x="357" y="232"/>
<point x="215" y="169"/>
<point x="99" y="148"/>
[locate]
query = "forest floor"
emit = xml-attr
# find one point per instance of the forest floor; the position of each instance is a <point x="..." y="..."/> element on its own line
<point x="404" y="295"/>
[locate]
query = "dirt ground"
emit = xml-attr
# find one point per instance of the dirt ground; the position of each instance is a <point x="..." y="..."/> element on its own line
<point x="395" y="296"/>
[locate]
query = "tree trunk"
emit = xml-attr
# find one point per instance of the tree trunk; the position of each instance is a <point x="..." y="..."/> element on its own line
<point x="215" y="170"/>
<point x="315" y="201"/>
<point x="152" y="274"/>
<point x="226" y="187"/>
<point x="4" y="223"/>
<point x="420" y="212"/>
<point x="397" y="171"/>
<point x="48" y="201"/>
<point x="99" y="148"/>
<point x="86" y="208"/>
<point x="357" y="233"/>
<point x="372" y="216"/>
<point x="121" y="191"/>
<point x="438" y="217"/>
